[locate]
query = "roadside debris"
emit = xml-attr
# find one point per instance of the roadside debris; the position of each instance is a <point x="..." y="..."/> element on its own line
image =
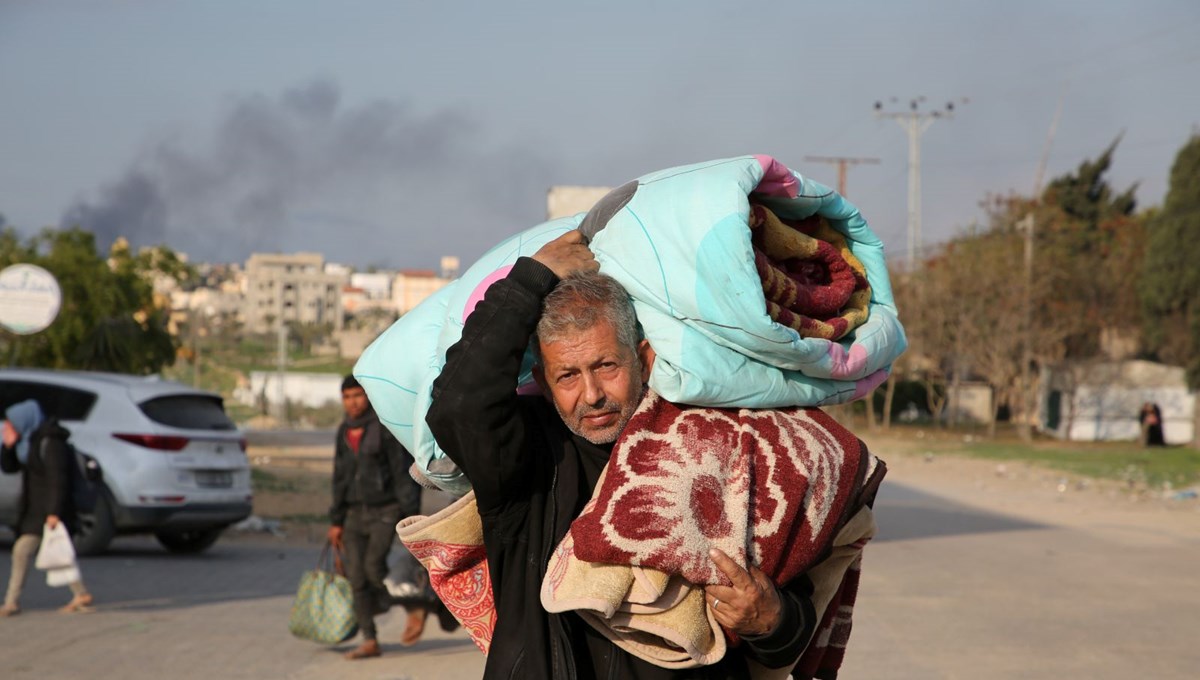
<point x="256" y="524"/>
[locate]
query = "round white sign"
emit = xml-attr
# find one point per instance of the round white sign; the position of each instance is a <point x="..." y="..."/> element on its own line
<point x="29" y="298"/>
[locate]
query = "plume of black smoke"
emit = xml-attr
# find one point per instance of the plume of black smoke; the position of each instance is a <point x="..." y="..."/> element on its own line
<point x="133" y="207"/>
<point x="375" y="182"/>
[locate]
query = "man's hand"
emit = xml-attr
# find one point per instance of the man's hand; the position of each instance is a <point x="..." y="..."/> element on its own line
<point x="10" y="436"/>
<point x="335" y="536"/>
<point x="51" y="521"/>
<point x="751" y="606"/>
<point x="567" y="255"/>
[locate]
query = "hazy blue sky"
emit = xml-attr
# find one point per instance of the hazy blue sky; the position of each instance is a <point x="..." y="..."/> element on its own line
<point x="388" y="132"/>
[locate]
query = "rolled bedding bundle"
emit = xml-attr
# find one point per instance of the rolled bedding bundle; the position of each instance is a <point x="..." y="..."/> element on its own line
<point x="756" y="286"/>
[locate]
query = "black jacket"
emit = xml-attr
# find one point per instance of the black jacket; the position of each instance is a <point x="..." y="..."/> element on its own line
<point x="45" y="478"/>
<point x="531" y="478"/>
<point x="376" y="475"/>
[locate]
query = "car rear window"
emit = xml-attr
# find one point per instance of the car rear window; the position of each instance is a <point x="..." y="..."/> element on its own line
<point x="189" y="411"/>
<point x="64" y="403"/>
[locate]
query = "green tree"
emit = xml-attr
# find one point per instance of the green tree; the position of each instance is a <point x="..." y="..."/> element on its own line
<point x="1086" y="198"/>
<point x="1170" y="284"/>
<point x="1088" y="251"/>
<point x="108" y="319"/>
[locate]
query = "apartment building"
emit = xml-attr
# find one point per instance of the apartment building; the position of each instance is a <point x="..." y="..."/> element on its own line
<point x="411" y="286"/>
<point x="291" y="287"/>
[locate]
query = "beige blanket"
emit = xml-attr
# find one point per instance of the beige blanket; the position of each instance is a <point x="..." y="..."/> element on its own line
<point x="666" y="620"/>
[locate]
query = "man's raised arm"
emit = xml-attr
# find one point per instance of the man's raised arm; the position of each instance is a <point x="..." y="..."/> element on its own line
<point x="474" y="415"/>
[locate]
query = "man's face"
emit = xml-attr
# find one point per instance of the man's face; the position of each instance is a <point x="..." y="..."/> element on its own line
<point x="594" y="381"/>
<point x="354" y="401"/>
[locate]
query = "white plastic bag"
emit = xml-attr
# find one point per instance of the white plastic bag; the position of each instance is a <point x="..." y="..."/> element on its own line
<point x="57" y="578"/>
<point x="56" y="551"/>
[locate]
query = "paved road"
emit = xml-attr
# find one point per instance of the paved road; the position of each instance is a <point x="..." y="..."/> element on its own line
<point x="222" y="614"/>
<point x="951" y="589"/>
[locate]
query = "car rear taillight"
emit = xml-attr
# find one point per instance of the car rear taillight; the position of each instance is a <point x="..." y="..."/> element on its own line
<point x="162" y="499"/>
<point x="157" y="442"/>
<point x="242" y="443"/>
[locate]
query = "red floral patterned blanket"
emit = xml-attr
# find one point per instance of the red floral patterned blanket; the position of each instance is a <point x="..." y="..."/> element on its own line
<point x="770" y="487"/>
<point x="449" y="544"/>
<point x="775" y="482"/>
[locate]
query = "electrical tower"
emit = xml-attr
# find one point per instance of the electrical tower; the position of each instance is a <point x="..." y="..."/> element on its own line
<point x="841" y="163"/>
<point x="915" y="122"/>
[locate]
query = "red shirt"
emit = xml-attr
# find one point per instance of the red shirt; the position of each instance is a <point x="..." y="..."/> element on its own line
<point x="354" y="437"/>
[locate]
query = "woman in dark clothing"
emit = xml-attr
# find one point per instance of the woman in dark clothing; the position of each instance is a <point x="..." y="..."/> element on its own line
<point x="1150" y="419"/>
<point x="37" y="448"/>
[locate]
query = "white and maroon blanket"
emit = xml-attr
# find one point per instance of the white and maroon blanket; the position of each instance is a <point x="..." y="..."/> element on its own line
<point x="773" y="487"/>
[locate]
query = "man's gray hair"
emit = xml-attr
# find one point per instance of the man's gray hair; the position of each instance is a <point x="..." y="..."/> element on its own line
<point x="579" y="302"/>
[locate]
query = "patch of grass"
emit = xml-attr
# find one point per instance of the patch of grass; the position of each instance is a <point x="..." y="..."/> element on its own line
<point x="323" y="365"/>
<point x="1178" y="466"/>
<point x="307" y="518"/>
<point x="327" y="416"/>
<point x="261" y="480"/>
<point x="239" y="413"/>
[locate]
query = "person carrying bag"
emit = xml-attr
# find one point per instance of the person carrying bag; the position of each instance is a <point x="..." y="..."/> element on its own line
<point x="36" y="447"/>
<point x="323" y="610"/>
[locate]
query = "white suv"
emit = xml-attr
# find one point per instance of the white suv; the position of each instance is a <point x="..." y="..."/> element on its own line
<point x="171" y="460"/>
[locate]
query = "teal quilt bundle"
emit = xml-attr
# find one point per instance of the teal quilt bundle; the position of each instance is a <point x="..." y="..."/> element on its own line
<point x="687" y="245"/>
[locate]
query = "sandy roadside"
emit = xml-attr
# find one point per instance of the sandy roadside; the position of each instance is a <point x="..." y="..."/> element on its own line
<point x="298" y="492"/>
<point x="1035" y="493"/>
<point x="292" y="488"/>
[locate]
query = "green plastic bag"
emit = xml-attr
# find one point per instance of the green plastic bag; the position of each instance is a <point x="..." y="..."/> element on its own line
<point x="324" y="607"/>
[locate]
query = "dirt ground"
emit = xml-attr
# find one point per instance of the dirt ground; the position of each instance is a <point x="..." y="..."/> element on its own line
<point x="1028" y="491"/>
<point x="292" y="488"/>
<point x="297" y="496"/>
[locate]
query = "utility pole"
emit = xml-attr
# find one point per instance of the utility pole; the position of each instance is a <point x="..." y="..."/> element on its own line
<point x="193" y="332"/>
<point x="281" y="368"/>
<point x="841" y="163"/>
<point x="1028" y="225"/>
<point x="914" y="122"/>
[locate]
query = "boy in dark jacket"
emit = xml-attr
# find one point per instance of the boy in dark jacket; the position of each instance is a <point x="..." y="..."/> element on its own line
<point x="372" y="491"/>
<point x="36" y="447"/>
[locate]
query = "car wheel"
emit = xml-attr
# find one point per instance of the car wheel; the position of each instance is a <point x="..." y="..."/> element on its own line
<point x="190" y="541"/>
<point x="96" y="528"/>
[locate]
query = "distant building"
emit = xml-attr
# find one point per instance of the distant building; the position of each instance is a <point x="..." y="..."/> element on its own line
<point x="206" y="303"/>
<point x="374" y="285"/>
<point x="412" y="286"/>
<point x="291" y="287"/>
<point x="968" y="401"/>
<point x="565" y="201"/>
<point x="312" y="390"/>
<point x="354" y="299"/>
<point x="338" y="269"/>
<point x="351" y="342"/>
